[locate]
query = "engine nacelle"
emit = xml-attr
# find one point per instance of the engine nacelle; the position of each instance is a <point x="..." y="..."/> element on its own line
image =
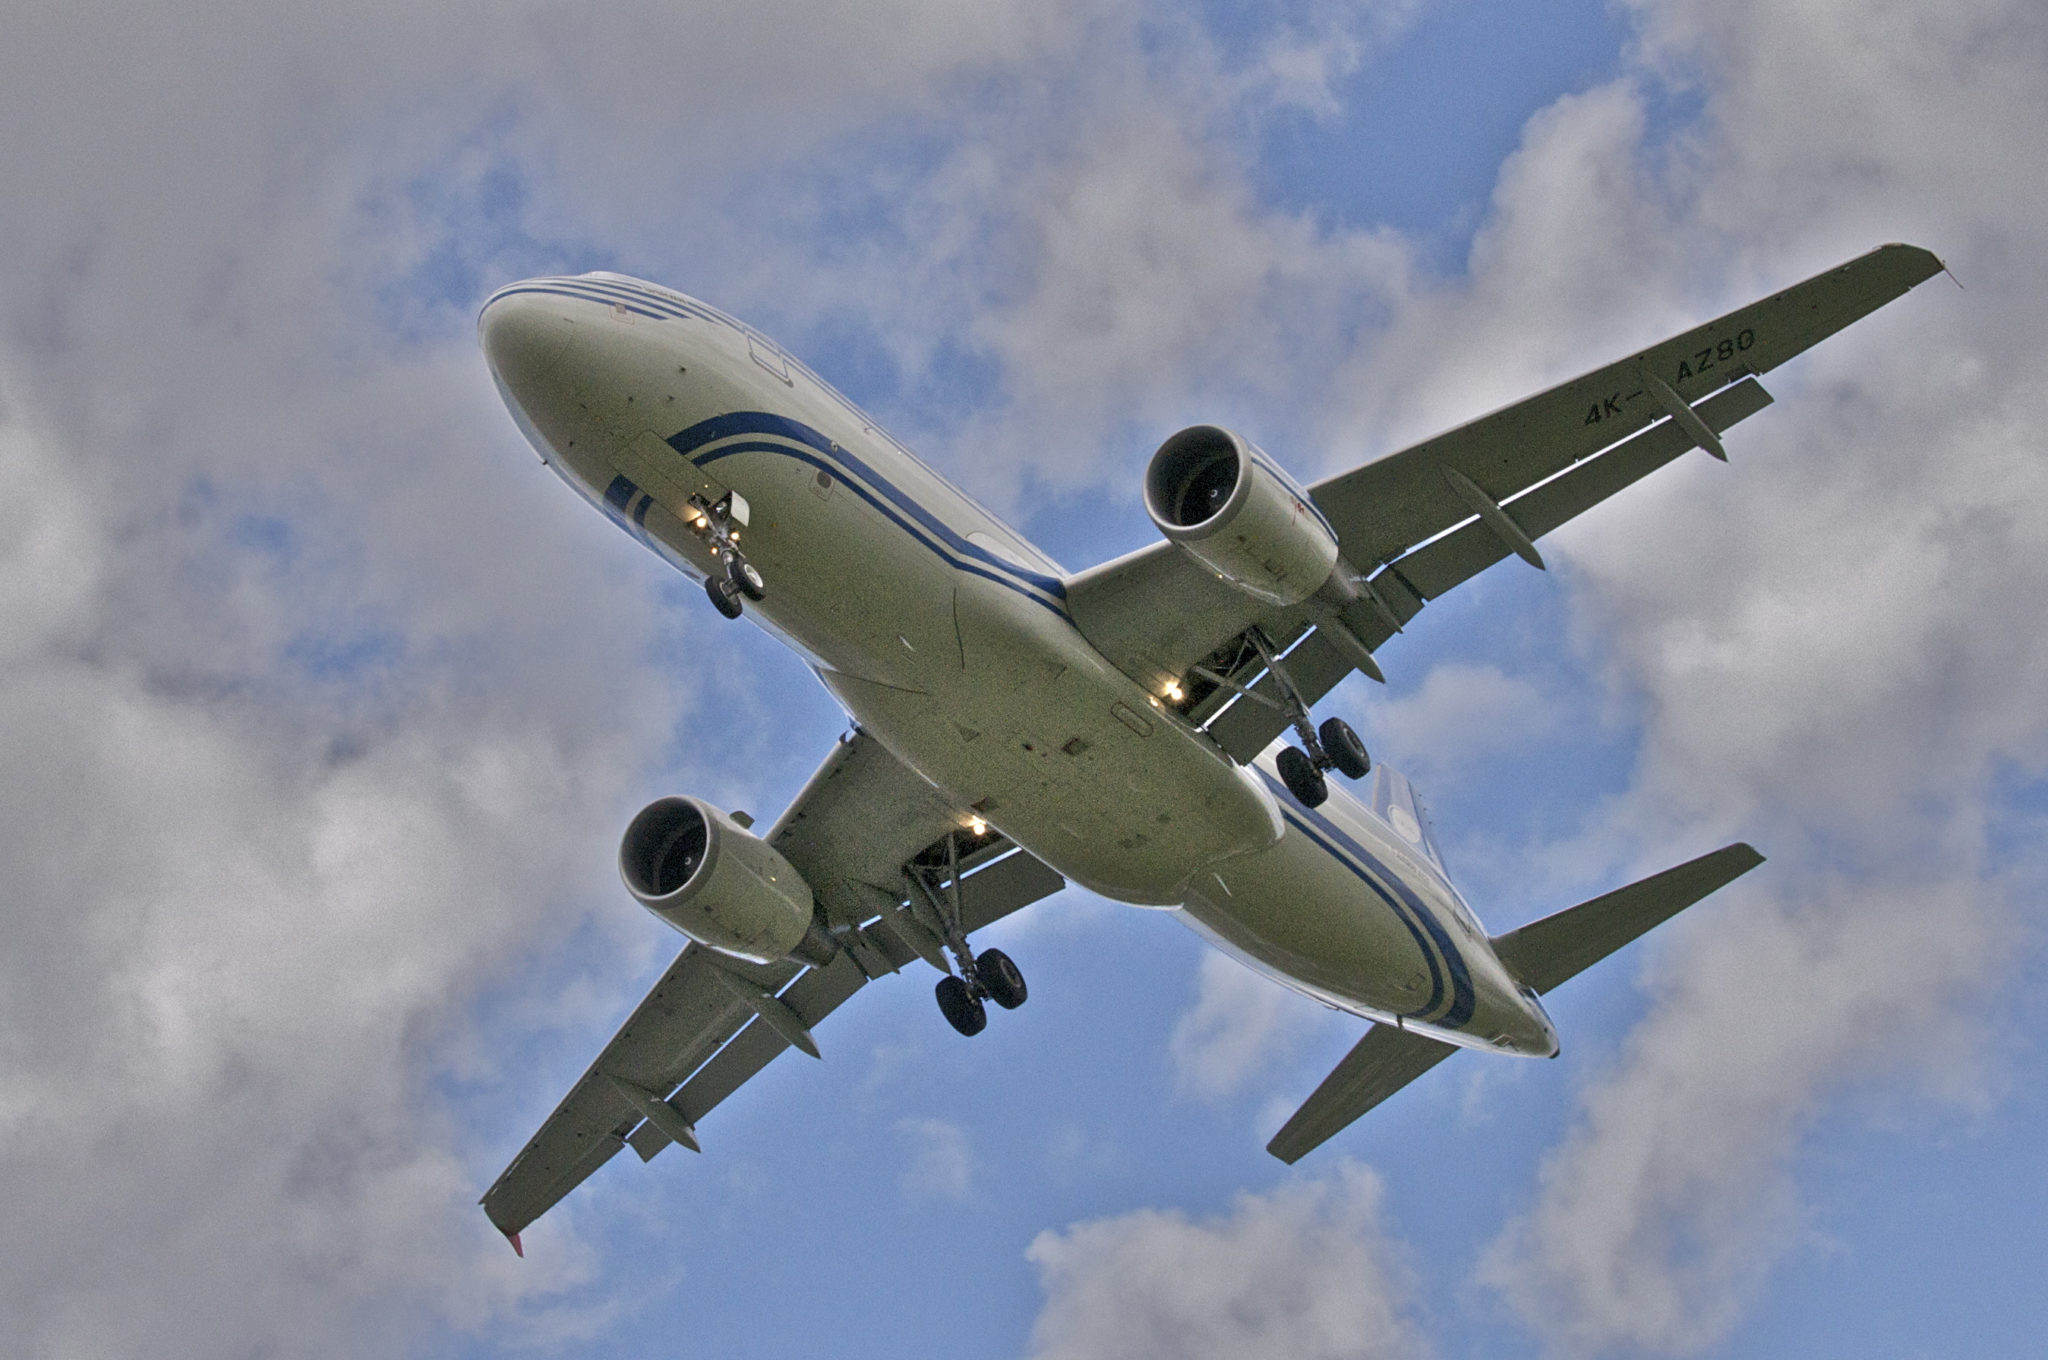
<point x="715" y="881"/>
<point x="1232" y="508"/>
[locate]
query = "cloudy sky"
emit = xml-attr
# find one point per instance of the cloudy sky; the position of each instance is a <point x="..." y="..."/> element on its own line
<point x="322" y="704"/>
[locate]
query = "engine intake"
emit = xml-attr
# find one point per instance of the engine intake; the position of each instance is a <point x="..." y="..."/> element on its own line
<point x="1232" y="509"/>
<point x="715" y="881"/>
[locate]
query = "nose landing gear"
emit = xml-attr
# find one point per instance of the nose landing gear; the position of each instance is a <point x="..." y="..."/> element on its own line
<point x="719" y="526"/>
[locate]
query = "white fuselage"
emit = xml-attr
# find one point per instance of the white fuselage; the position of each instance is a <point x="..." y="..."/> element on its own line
<point x="946" y="636"/>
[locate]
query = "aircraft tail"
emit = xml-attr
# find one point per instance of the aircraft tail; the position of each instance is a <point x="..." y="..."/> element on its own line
<point x="1544" y="953"/>
<point x="1539" y="955"/>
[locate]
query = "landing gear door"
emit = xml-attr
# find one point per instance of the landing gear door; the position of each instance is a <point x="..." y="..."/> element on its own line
<point x="650" y="463"/>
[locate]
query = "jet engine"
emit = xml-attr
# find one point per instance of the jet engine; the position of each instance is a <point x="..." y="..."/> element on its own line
<point x="1231" y="508"/>
<point x="715" y="881"/>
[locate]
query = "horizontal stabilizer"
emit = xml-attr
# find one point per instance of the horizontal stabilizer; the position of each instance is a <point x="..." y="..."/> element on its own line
<point x="1540" y="956"/>
<point x="1381" y="1063"/>
<point x="1546" y="952"/>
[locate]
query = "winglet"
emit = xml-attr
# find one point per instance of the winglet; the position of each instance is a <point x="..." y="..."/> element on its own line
<point x="517" y="1250"/>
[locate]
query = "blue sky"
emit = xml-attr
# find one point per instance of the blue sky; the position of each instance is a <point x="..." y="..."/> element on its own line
<point x="324" y="704"/>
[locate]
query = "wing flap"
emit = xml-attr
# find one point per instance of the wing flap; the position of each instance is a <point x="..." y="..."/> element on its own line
<point x="815" y="995"/>
<point x="1545" y="953"/>
<point x="681" y="1023"/>
<point x="1434" y="568"/>
<point x="1378" y="1065"/>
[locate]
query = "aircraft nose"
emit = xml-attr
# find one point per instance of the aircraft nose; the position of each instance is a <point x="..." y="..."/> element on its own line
<point x="523" y="336"/>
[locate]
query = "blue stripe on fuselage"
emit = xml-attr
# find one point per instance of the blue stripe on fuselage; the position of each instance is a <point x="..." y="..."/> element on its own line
<point x="920" y="522"/>
<point x="1409" y="907"/>
<point x="636" y="307"/>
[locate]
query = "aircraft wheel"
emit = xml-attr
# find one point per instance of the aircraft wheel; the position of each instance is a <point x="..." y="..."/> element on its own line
<point x="1000" y="978"/>
<point x="962" y="1008"/>
<point x="1302" y="778"/>
<point x="725" y="596"/>
<point x="742" y="573"/>
<point x="1345" y="750"/>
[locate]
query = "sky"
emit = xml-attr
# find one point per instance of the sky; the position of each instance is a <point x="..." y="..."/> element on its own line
<point x="323" y="705"/>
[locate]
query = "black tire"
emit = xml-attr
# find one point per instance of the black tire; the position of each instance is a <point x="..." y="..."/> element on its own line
<point x="962" y="1008"/>
<point x="1344" y="748"/>
<point x="1302" y="778"/>
<point x="1000" y="978"/>
<point x="725" y="596"/>
<point x="743" y="574"/>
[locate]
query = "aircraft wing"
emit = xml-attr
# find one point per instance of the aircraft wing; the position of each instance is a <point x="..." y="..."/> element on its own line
<point x="861" y="826"/>
<point x="1418" y="522"/>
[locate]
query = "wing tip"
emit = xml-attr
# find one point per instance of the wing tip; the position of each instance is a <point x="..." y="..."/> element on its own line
<point x="1925" y="264"/>
<point x="1743" y="850"/>
<point x="1287" y="1152"/>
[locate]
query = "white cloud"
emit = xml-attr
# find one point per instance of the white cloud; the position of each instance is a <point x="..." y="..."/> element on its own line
<point x="1155" y="289"/>
<point x="291" y="665"/>
<point x="940" y="1164"/>
<point x="229" y="927"/>
<point x="1664" y="1211"/>
<point x="1835" y="639"/>
<point x="1459" y="714"/>
<point x="1301" y="1273"/>
<point x="1239" y="1025"/>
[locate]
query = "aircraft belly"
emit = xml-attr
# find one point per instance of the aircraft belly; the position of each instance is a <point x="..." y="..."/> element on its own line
<point x="967" y="668"/>
<point x="1066" y="755"/>
<point x="844" y="581"/>
<point x="1302" y="916"/>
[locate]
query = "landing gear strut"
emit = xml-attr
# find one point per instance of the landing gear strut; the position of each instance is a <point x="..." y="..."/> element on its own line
<point x="987" y="976"/>
<point x="1333" y="746"/>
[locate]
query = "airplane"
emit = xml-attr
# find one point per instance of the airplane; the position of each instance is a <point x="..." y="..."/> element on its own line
<point x="1016" y="727"/>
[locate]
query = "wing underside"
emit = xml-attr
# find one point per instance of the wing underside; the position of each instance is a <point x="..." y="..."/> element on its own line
<point x="882" y="853"/>
<point x="1418" y="522"/>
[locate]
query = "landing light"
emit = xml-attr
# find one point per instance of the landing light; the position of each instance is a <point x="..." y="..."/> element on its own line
<point x="978" y="826"/>
<point x="1174" y="692"/>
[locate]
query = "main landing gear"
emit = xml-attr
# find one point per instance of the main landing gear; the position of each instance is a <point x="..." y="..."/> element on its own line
<point x="995" y="978"/>
<point x="987" y="976"/>
<point x="719" y="526"/>
<point x="1333" y="746"/>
